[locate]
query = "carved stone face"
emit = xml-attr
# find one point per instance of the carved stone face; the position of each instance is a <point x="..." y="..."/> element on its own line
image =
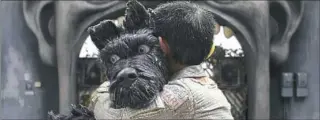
<point x="136" y="68"/>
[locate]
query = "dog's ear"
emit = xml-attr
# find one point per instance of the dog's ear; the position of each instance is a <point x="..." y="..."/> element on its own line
<point x="137" y="16"/>
<point x="103" y="32"/>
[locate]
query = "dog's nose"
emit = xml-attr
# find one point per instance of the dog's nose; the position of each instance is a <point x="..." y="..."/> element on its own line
<point x="127" y="74"/>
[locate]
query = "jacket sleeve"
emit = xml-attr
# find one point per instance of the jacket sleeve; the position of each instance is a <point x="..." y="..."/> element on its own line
<point x="209" y="101"/>
<point x="95" y="95"/>
<point x="191" y="98"/>
<point x="93" y="100"/>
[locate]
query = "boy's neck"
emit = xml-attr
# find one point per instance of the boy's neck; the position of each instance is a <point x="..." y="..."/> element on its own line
<point x="175" y="66"/>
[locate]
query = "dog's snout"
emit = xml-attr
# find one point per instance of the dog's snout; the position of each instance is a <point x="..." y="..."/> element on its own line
<point x="127" y="73"/>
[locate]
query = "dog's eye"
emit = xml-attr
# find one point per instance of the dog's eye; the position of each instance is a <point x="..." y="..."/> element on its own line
<point x="114" y="58"/>
<point x="143" y="49"/>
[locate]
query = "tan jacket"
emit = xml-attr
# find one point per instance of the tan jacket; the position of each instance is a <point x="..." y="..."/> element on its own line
<point x="189" y="95"/>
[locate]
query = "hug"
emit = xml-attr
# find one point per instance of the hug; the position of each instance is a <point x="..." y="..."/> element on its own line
<point x="152" y="62"/>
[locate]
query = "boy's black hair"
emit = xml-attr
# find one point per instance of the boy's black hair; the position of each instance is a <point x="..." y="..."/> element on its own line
<point x="187" y="28"/>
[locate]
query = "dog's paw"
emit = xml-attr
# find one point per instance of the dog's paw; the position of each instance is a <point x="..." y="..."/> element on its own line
<point x="52" y="116"/>
<point x="78" y="112"/>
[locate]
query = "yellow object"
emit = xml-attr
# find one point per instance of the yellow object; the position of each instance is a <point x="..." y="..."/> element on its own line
<point x="37" y="84"/>
<point x="211" y="51"/>
<point x="227" y="32"/>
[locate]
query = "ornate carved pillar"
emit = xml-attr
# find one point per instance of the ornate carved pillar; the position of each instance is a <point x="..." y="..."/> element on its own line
<point x="23" y="76"/>
<point x="304" y="57"/>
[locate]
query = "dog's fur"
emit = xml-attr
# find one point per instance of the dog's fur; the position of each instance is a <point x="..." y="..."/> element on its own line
<point x="78" y="112"/>
<point x="135" y="48"/>
<point x="140" y="52"/>
<point x="134" y="51"/>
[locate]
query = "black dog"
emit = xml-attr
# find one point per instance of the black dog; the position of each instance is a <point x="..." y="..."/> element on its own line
<point x="135" y="64"/>
<point x="132" y="58"/>
<point x="136" y="68"/>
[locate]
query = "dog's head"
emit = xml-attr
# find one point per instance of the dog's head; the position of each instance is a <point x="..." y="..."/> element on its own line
<point x="132" y="58"/>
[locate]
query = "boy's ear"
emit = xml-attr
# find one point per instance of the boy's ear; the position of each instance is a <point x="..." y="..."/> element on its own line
<point x="164" y="46"/>
<point x="103" y="32"/>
